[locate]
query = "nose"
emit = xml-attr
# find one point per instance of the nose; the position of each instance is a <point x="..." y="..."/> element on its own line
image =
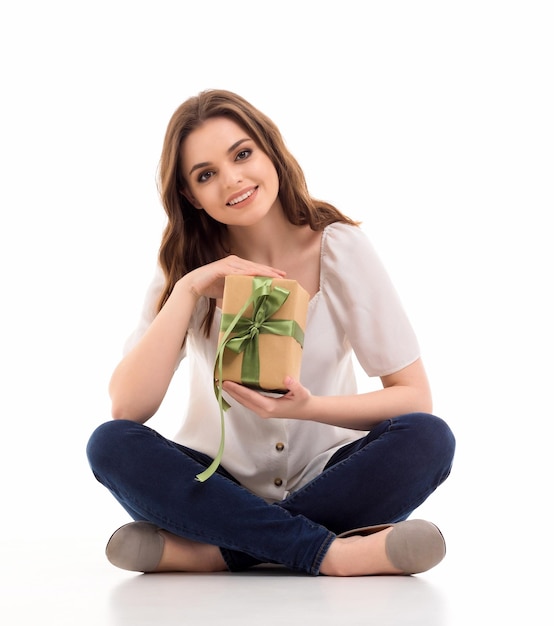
<point x="232" y="176"/>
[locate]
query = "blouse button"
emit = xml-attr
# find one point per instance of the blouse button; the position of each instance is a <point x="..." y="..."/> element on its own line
<point x="279" y="447"/>
<point x="278" y="482"/>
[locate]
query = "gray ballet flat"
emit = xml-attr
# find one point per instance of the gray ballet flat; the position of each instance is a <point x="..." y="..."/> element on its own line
<point x="413" y="546"/>
<point x="137" y="547"/>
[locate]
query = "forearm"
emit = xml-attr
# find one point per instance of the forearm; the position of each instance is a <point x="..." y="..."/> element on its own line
<point x="140" y="381"/>
<point x="363" y="411"/>
<point x="405" y="391"/>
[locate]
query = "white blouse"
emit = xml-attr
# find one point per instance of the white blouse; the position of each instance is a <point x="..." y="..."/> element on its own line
<point x="355" y="310"/>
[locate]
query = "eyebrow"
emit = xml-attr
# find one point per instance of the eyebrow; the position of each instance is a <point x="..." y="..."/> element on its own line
<point x="229" y="150"/>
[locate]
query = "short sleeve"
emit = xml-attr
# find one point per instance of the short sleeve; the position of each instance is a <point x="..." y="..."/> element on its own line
<point x="149" y="309"/>
<point x="365" y="302"/>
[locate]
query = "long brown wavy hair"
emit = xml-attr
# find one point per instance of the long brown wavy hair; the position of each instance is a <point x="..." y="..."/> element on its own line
<point x="191" y="237"/>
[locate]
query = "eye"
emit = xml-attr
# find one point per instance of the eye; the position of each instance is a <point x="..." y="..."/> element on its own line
<point x="204" y="176"/>
<point x="243" y="154"/>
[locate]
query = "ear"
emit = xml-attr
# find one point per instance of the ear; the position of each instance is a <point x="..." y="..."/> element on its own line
<point x="191" y="198"/>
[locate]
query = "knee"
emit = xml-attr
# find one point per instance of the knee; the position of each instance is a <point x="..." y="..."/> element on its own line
<point x="105" y="441"/>
<point x="436" y="439"/>
<point x="438" y="430"/>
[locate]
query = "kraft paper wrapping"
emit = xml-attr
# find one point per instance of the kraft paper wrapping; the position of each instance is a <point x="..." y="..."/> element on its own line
<point x="261" y="339"/>
<point x="279" y="354"/>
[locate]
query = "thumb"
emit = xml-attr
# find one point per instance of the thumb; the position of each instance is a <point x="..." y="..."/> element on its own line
<point x="290" y="383"/>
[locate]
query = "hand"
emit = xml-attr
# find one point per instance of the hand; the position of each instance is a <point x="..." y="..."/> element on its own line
<point x="209" y="279"/>
<point x="292" y="405"/>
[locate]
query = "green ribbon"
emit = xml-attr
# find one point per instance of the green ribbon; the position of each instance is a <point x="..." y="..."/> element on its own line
<point x="266" y="301"/>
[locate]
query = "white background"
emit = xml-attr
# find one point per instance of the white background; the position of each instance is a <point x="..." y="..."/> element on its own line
<point x="430" y="121"/>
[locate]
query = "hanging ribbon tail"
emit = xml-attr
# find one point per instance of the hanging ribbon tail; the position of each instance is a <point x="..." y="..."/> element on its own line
<point x="223" y="406"/>
<point x="261" y="287"/>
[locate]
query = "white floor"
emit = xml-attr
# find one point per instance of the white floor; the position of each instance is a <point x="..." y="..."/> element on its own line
<point x="45" y="582"/>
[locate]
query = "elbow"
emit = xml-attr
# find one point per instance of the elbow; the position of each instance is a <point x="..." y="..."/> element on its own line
<point x="125" y="411"/>
<point x="127" y="405"/>
<point x="425" y="401"/>
<point x="120" y="408"/>
<point x="417" y="399"/>
<point x="121" y="412"/>
<point x="427" y="407"/>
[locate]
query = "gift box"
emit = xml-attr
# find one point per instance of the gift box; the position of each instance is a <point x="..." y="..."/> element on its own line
<point x="260" y="340"/>
<point x="262" y="331"/>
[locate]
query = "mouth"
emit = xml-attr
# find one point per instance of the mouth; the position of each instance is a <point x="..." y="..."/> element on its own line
<point x="243" y="196"/>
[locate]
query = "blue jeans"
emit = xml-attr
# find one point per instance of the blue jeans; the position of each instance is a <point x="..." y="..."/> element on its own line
<point x="380" y="478"/>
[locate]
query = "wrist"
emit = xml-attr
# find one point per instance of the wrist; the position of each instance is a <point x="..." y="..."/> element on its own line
<point x="185" y="287"/>
<point x="312" y="408"/>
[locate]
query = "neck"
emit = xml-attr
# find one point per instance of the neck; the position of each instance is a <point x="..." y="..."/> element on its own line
<point x="269" y="242"/>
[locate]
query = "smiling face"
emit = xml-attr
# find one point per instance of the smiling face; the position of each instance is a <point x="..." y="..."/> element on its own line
<point x="227" y="174"/>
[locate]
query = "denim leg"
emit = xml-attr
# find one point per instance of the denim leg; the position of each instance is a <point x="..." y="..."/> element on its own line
<point x="380" y="478"/>
<point x="154" y="480"/>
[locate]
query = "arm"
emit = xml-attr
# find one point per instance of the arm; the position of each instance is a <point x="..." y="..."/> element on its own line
<point x="141" y="379"/>
<point x="405" y="391"/>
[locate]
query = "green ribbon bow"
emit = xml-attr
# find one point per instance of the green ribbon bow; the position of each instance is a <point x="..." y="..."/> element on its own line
<point x="266" y="300"/>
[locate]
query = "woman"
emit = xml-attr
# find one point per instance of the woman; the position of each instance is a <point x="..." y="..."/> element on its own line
<point x="321" y="479"/>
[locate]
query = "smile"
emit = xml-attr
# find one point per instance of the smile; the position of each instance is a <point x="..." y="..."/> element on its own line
<point x="241" y="198"/>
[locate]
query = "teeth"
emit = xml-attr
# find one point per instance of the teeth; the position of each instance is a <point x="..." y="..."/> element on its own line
<point x="241" y="198"/>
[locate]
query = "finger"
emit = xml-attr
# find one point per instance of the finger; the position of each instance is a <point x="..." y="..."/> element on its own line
<point x="251" y="399"/>
<point x="292" y="385"/>
<point x="289" y="382"/>
<point x="239" y="392"/>
<point x="243" y="266"/>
